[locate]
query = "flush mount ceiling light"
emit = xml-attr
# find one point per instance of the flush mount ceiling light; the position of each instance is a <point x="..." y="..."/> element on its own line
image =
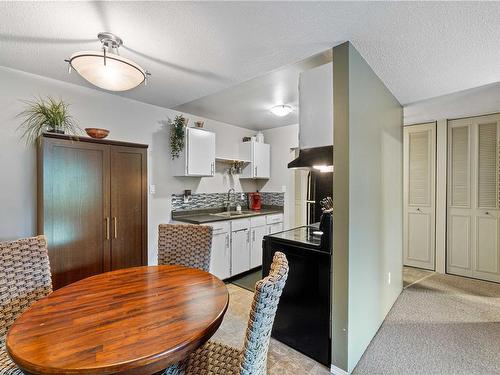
<point x="107" y="69"/>
<point x="281" y="110"/>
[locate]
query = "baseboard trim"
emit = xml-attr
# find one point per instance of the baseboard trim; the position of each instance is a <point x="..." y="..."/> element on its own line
<point x="337" y="371"/>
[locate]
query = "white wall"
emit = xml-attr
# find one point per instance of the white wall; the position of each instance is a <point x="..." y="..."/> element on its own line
<point x="282" y="140"/>
<point x="128" y="120"/>
<point x="368" y="212"/>
<point x="477" y="101"/>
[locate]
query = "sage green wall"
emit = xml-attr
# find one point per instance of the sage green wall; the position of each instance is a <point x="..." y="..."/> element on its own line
<point x="369" y="214"/>
<point x="341" y="205"/>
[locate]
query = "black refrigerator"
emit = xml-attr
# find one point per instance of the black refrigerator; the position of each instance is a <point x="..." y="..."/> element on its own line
<point x="319" y="186"/>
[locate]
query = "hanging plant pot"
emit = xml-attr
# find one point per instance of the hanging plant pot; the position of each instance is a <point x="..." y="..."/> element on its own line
<point x="177" y="132"/>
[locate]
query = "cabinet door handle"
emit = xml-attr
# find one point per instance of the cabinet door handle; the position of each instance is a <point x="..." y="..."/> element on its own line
<point x="212" y="168"/>
<point x="253" y="235"/>
<point x="107" y="228"/>
<point x="255" y="171"/>
<point x="115" y="227"/>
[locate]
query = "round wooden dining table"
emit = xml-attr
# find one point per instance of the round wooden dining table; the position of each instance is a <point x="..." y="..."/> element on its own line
<point x="132" y="321"/>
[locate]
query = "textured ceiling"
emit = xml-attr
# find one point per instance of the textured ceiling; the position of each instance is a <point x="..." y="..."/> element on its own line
<point x="248" y="104"/>
<point x="419" y="49"/>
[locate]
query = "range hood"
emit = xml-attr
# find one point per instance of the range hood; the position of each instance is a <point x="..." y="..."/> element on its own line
<point x="314" y="158"/>
<point x="315" y="119"/>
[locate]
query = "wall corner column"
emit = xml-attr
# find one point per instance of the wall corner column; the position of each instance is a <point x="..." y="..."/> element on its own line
<point x="441" y="194"/>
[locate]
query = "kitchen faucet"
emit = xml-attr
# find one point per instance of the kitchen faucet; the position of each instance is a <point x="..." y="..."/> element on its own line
<point x="228" y="202"/>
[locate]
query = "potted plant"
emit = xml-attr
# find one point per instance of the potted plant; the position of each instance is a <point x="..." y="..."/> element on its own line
<point x="46" y="115"/>
<point x="177" y="132"/>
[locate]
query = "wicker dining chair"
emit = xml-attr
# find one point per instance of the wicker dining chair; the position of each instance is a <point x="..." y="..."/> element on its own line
<point x="185" y="244"/>
<point x="218" y="359"/>
<point x="24" y="279"/>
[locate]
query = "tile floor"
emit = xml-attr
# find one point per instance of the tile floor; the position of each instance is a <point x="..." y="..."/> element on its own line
<point x="282" y="360"/>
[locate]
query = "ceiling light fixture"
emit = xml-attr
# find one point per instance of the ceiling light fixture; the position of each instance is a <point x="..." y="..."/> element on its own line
<point x="281" y="110"/>
<point x="107" y="69"/>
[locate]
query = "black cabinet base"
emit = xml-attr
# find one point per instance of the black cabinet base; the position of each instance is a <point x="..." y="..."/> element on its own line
<point x="303" y="317"/>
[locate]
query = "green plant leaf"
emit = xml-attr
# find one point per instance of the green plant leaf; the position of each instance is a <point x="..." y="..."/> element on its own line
<point x="177" y="132"/>
<point x="41" y="114"/>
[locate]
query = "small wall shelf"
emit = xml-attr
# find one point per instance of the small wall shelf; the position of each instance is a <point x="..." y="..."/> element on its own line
<point x="230" y="160"/>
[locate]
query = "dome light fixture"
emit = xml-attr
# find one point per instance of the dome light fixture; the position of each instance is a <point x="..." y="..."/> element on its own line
<point x="281" y="110"/>
<point x="107" y="69"/>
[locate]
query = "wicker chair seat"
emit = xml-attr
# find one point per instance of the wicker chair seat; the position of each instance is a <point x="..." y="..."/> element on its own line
<point x="185" y="245"/>
<point x="7" y="367"/>
<point x="24" y="279"/>
<point x="210" y="359"/>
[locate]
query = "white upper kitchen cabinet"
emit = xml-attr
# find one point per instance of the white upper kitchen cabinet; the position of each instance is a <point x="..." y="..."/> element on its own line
<point x="198" y="157"/>
<point x="259" y="155"/>
<point x="316" y="107"/>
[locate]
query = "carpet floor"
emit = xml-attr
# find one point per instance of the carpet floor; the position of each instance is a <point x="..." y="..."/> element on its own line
<point x="442" y="325"/>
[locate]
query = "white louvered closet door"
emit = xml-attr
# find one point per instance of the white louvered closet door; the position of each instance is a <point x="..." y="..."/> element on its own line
<point x="419" y="195"/>
<point x="473" y="246"/>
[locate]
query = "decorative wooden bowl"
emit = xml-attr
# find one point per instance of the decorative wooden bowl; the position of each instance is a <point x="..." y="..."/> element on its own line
<point x="97" y="133"/>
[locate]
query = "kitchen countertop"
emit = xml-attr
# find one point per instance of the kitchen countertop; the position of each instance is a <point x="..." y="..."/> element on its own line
<point x="203" y="216"/>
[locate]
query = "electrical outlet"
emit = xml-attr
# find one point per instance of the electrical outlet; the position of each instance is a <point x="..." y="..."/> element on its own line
<point x="152" y="189"/>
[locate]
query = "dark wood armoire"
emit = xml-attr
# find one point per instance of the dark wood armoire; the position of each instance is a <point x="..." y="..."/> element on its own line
<point x="92" y="205"/>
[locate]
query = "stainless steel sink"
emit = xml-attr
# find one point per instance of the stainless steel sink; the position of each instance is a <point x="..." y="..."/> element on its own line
<point x="235" y="214"/>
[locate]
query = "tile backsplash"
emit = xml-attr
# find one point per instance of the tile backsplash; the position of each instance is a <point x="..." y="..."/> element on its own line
<point x="273" y="199"/>
<point x="214" y="200"/>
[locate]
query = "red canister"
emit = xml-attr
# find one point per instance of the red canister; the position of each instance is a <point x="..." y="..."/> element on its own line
<point x="254" y="201"/>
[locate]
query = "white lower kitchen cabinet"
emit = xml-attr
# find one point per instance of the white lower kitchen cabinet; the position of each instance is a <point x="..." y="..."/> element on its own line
<point x="237" y="244"/>
<point x="274" y="228"/>
<point x="258" y="231"/>
<point x="220" y="258"/>
<point x="274" y="223"/>
<point x="240" y="246"/>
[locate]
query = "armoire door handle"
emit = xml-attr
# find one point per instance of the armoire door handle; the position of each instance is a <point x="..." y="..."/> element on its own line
<point x="107" y="228"/>
<point x="115" y="227"/>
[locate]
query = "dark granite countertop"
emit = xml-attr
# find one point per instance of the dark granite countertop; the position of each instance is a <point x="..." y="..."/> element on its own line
<point x="203" y="216"/>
